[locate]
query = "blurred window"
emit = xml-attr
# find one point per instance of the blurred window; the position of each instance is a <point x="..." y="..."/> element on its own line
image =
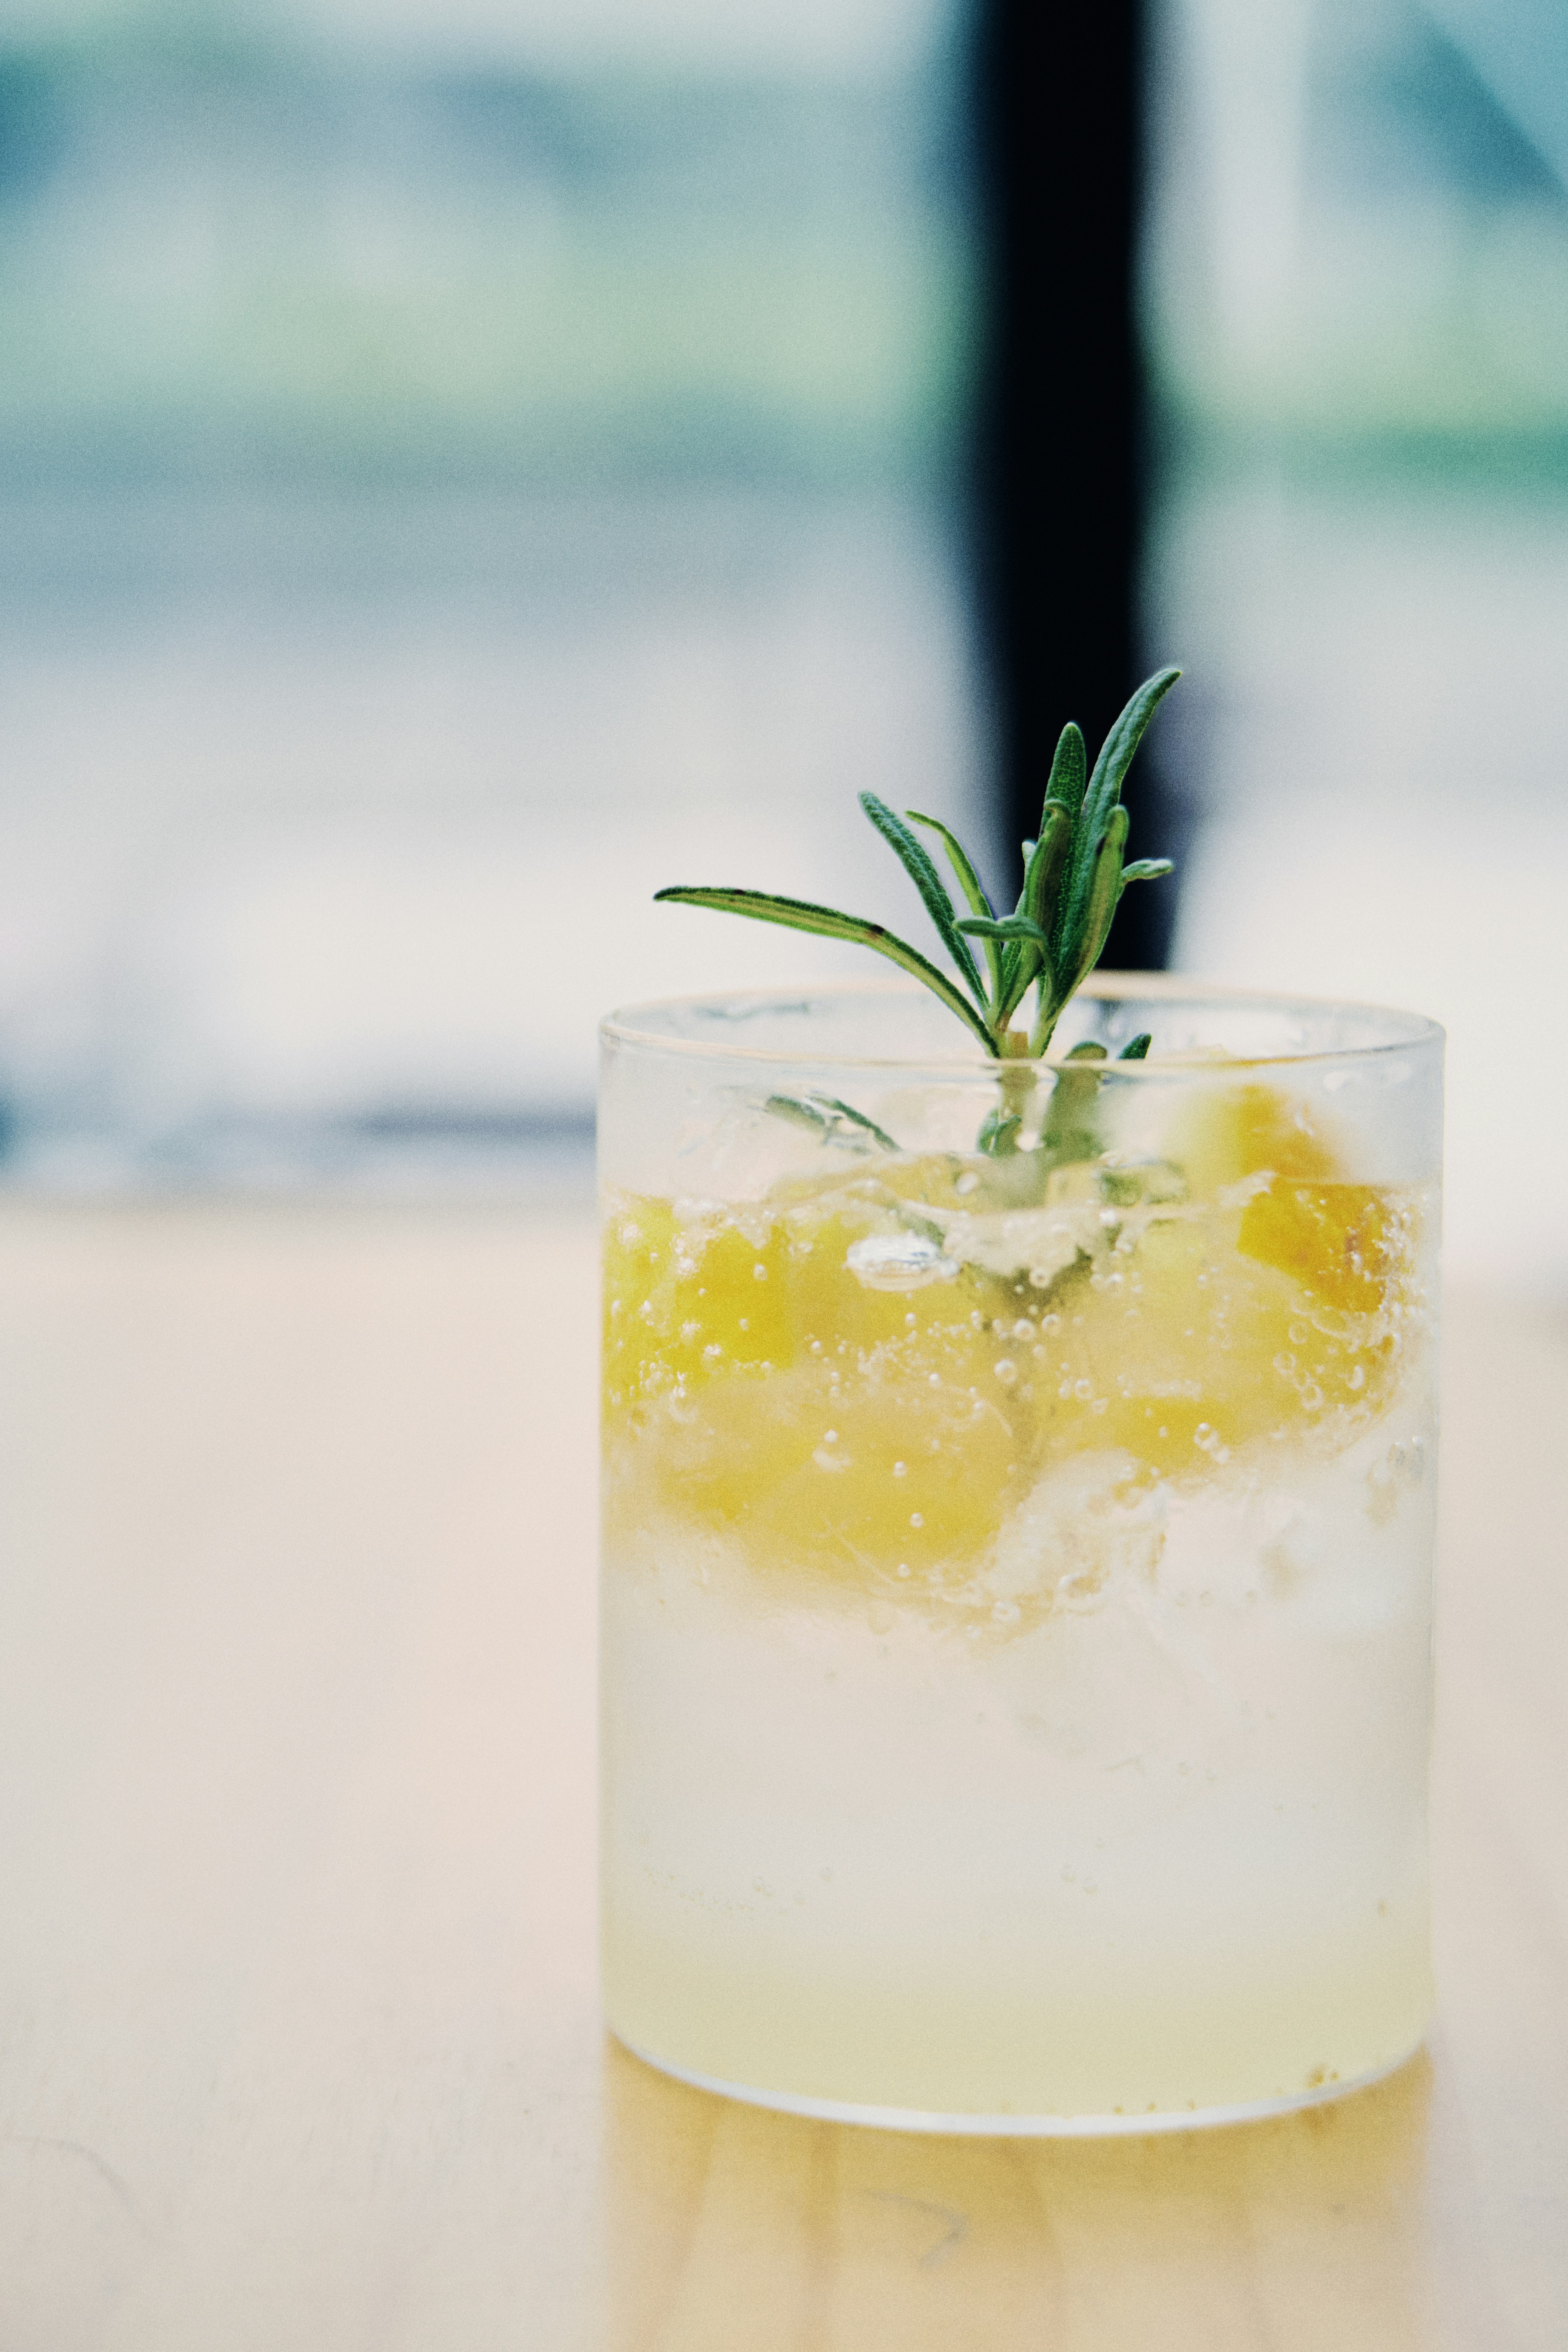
<point x="459" y="471"/>
<point x="1356" y="304"/>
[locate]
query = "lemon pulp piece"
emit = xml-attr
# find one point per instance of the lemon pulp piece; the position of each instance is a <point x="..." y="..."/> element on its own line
<point x="1224" y="1134"/>
<point x="797" y="1405"/>
<point x="756" y="1384"/>
<point x="876" y="1473"/>
<point x="1339" y="1242"/>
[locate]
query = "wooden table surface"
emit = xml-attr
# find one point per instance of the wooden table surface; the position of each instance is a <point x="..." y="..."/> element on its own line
<point x="298" y="2038"/>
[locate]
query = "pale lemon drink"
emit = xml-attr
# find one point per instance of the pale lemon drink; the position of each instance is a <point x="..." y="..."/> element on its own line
<point x="1018" y="1490"/>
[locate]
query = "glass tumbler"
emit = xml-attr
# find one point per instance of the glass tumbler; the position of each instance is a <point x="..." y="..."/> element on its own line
<point x="1017" y="1529"/>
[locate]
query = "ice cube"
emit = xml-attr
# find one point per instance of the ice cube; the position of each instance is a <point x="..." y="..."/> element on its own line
<point x="902" y="1261"/>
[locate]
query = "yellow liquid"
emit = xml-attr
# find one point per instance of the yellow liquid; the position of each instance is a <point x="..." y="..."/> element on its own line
<point x="1015" y="1634"/>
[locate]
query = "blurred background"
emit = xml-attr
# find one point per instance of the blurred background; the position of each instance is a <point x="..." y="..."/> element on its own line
<point x="461" y="470"/>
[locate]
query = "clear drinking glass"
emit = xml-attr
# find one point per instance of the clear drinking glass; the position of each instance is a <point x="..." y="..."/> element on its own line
<point x="1017" y="1586"/>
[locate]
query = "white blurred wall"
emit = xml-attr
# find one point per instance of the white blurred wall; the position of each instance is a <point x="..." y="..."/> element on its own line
<point x="351" y="848"/>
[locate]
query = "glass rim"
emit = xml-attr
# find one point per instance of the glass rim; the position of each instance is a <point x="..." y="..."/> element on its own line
<point x="620" y="1027"/>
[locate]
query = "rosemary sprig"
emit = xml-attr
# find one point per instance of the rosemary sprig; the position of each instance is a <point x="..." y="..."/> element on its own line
<point x="1074" y="875"/>
<point x="831" y="1121"/>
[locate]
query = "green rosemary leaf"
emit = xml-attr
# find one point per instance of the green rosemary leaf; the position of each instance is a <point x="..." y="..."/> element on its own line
<point x="1070" y="1131"/>
<point x="858" y="1118"/>
<point x="1073" y="875"/>
<point x="825" y="1116"/>
<point x="998" y="1132"/>
<point x="1102" y="796"/>
<point x="1116" y="752"/>
<point x="800" y="1113"/>
<point x="958" y="858"/>
<point x="913" y="1223"/>
<point x="1021" y="964"/>
<point x="968" y="882"/>
<point x="1030" y="953"/>
<point x="1036" y="901"/>
<point x="1042" y="874"/>
<point x="1136" y="1048"/>
<point x="1104" y="889"/>
<point x="1070" y="770"/>
<point x="1002" y="927"/>
<point x="928" y="882"/>
<point x="802" y="914"/>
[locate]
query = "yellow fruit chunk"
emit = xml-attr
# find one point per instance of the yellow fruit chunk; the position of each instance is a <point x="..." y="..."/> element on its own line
<point x="1227" y="1133"/>
<point x="1186" y="1351"/>
<point x="872" y="1471"/>
<point x="1337" y="1241"/>
<point x="777" y="1374"/>
<point x="688" y="1302"/>
<point x="772" y="1392"/>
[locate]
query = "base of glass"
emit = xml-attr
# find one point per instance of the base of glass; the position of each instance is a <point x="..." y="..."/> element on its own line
<point x="1098" y="2126"/>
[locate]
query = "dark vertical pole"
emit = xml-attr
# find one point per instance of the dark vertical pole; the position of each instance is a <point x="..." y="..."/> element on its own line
<point x="1060" y="430"/>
